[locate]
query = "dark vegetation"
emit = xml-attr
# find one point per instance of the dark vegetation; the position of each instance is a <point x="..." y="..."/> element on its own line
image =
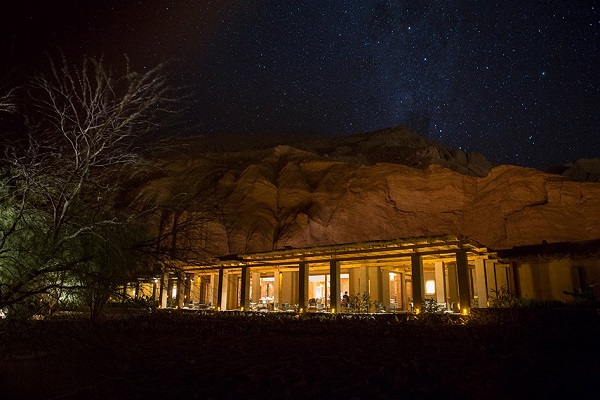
<point x="172" y="354"/>
<point x="69" y="235"/>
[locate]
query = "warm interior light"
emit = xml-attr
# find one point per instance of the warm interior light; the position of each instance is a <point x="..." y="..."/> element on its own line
<point x="333" y="310"/>
<point x="430" y="287"/>
<point x="465" y="311"/>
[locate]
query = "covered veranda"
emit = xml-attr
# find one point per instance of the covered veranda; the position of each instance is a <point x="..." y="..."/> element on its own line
<point x="397" y="275"/>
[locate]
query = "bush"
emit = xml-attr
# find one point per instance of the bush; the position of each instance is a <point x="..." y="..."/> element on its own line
<point x="507" y="299"/>
<point x="360" y="303"/>
<point x="432" y="306"/>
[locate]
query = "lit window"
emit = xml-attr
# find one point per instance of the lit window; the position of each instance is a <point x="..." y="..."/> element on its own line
<point x="430" y="287"/>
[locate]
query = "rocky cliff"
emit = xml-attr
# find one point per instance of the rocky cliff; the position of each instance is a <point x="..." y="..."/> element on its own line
<point x="259" y="200"/>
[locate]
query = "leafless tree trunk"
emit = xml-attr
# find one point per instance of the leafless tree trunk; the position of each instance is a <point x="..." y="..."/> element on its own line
<point x="59" y="188"/>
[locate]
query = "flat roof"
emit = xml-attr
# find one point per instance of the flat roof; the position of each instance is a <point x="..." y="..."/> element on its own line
<point x="583" y="248"/>
<point x="383" y="252"/>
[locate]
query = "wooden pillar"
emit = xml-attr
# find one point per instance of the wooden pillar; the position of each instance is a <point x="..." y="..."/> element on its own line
<point x="462" y="271"/>
<point x="220" y="286"/>
<point x="416" y="263"/>
<point x="481" y="284"/>
<point x="245" y="289"/>
<point x="303" y="286"/>
<point x="334" y="286"/>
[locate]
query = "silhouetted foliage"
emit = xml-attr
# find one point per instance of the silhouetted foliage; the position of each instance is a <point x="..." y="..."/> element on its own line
<point x="62" y="228"/>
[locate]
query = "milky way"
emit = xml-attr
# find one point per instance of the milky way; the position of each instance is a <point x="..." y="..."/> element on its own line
<point x="516" y="81"/>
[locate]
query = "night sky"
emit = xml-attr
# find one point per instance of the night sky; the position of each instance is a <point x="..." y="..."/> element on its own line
<point x="518" y="81"/>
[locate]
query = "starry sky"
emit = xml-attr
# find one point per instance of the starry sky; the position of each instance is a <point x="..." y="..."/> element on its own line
<point x="518" y="81"/>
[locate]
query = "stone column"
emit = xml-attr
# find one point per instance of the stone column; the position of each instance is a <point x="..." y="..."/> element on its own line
<point x="277" y="288"/>
<point x="501" y="275"/>
<point x="288" y="286"/>
<point x="481" y="283"/>
<point x="233" y="283"/>
<point x="189" y="282"/>
<point x="403" y="293"/>
<point x="303" y="286"/>
<point x="164" y="290"/>
<point x="440" y="283"/>
<point x="180" y="290"/>
<point x="516" y="282"/>
<point x="462" y="271"/>
<point x="255" y="287"/>
<point x="384" y="280"/>
<point x="416" y="263"/>
<point x="490" y="273"/>
<point x="363" y="280"/>
<point x="334" y="286"/>
<point x="196" y="284"/>
<point x="352" y="281"/>
<point x="213" y="290"/>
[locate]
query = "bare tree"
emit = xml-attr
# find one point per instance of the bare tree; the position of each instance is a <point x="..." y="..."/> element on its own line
<point x="7" y="102"/>
<point x="59" y="188"/>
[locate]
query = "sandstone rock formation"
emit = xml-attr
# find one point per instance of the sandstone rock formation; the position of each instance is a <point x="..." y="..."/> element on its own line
<point x="268" y="199"/>
<point x="583" y="170"/>
<point x="398" y="145"/>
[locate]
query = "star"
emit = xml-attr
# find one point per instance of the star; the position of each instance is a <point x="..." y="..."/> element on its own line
<point x="469" y="77"/>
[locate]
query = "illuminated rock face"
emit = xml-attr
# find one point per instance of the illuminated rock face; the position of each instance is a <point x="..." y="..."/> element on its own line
<point x="287" y="197"/>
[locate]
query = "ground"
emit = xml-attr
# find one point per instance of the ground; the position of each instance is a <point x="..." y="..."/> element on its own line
<point x="258" y="356"/>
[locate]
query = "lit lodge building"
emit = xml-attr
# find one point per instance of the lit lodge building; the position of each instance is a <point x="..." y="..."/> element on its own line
<point x="396" y="275"/>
